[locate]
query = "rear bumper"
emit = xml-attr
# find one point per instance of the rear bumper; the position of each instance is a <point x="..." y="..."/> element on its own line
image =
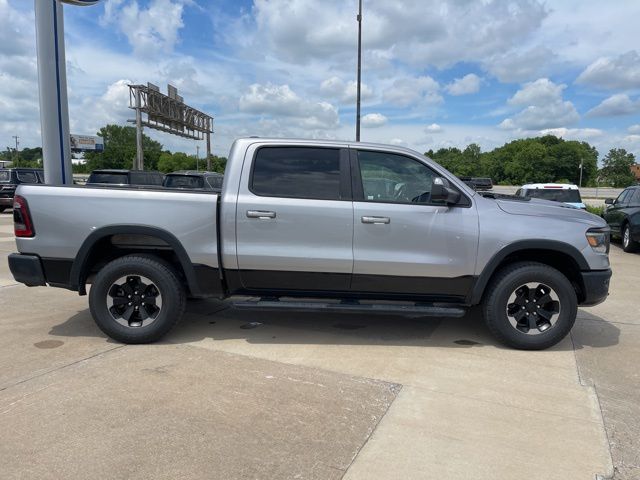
<point x="27" y="269"/>
<point x="595" y="286"/>
<point x="35" y="271"/>
<point x="6" y="201"/>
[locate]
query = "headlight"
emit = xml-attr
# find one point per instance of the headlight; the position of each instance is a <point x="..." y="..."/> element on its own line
<point x="599" y="239"/>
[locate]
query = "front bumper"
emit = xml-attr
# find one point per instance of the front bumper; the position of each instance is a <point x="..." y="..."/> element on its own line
<point x="27" y="269"/>
<point x="595" y="285"/>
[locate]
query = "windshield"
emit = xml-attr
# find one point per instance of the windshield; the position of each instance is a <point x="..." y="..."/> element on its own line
<point x="116" y="178"/>
<point x="557" y="195"/>
<point x="5" y="176"/>
<point x="27" y="177"/>
<point x="184" y="181"/>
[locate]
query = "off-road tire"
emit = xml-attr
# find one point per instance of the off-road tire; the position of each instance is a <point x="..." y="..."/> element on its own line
<point x="501" y="287"/>
<point x="163" y="277"/>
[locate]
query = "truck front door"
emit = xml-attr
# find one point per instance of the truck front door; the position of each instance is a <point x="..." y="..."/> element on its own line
<point x="403" y="242"/>
<point x="294" y="219"/>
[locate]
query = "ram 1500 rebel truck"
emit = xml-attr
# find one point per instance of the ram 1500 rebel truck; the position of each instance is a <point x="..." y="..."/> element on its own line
<point x="332" y="225"/>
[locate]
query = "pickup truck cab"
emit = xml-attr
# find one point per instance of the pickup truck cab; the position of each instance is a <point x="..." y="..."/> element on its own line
<point x="338" y="221"/>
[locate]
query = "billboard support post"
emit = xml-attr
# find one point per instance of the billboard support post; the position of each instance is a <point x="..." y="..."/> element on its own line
<point x="209" y="146"/>
<point x="138" y="162"/>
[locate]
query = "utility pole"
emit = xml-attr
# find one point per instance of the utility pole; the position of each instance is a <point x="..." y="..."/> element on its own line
<point x="17" y="139"/>
<point x="197" y="158"/>
<point x="359" y="17"/>
<point x="580" y="182"/>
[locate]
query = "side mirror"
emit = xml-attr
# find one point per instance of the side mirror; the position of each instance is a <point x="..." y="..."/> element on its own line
<point x="441" y="191"/>
<point x="608" y="201"/>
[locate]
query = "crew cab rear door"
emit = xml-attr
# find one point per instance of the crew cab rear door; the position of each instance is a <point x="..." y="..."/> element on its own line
<point x="403" y="243"/>
<point x="294" y="219"/>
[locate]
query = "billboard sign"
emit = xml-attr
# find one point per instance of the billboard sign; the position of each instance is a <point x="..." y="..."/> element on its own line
<point x="86" y="143"/>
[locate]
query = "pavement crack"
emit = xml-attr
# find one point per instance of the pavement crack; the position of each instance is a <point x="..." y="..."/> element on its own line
<point x="61" y="367"/>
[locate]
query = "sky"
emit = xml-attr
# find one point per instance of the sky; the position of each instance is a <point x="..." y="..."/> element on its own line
<point x="435" y="73"/>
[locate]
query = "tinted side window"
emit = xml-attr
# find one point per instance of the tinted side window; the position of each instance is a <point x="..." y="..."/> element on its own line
<point x="387" y="177"/>
<point x="623" y="197"/>
<point x="300" y="172"/>
<point x="635" y="199"/>
<point x="215" y="182"/>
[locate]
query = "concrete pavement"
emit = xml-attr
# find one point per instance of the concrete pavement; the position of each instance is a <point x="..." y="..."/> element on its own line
<point x="308" y="394"/>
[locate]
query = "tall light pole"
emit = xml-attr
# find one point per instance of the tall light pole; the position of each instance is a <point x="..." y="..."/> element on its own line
<point x="359" y="18"/>
<point x="17" y="139"/>
<point x="197" y="158"/>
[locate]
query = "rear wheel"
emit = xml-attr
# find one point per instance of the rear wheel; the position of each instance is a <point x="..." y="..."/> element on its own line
<point x="136" y="299"/>
<point x="530" y="306"/>
<point x="628" y="245"/>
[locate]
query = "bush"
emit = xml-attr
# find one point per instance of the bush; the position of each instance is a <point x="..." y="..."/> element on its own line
<point x="596" y="210"/>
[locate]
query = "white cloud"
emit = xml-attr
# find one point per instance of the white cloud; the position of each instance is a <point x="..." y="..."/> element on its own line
<point x="373" y="120"/>
<point x="409" y="91"/>
<point x="634" y="128"/>
<point x="93" y="113"/>
<point x="513" y="66"/>
<point x="573" y="133"/>
<point x="615" y="105"/>
<point x="346" y="92"/>
<point x="622" y="72"/>
<point x="544" y="107"/>
<point x="470" y="83"/>
<point x="434" y="128"/>
<point x="150" y="30"/>
<point x="441" y="35"/>
<point x="281" y="101"/>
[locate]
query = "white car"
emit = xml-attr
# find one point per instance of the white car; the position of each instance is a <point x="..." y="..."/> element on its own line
<point x="558" y="192"/>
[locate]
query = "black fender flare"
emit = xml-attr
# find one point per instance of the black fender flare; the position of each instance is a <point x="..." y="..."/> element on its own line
<point x="492" y="265"/>
<point x="78" y="269"/>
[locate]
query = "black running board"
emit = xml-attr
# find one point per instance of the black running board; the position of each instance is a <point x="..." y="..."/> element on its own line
<point x="421" y="309"/>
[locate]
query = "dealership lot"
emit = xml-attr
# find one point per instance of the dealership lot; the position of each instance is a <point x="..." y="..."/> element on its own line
<point x="239" y="394"/>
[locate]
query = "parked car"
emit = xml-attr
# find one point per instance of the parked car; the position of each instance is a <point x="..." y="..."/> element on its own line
<point x="623" y="216"/>
<point x="297" y="218"/>
<point x="190" y="180"/>
<point x="478" y="183"/>
<point x="125" y="177"/>
<point x="10" y="178"/>
<point x="557" y="192"/>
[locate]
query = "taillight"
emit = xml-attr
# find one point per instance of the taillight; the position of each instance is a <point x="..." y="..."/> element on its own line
<point x="22" y="224"/>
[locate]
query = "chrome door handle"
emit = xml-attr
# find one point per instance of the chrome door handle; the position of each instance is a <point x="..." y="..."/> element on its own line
<point x="261" y="214"/>
<point x="376" y="220"/>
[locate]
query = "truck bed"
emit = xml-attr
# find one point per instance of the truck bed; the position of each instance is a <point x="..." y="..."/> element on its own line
<point x="68" y="214"/>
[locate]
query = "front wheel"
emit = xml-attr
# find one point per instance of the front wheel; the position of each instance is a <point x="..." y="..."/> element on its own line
<point x="136" y="299"/>
<point x="530" y="306"/>
<point x="628" y="245"/>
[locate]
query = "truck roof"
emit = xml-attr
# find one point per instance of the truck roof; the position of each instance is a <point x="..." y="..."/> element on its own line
<point x="312" y="141"/>
<point x="545" y="186"/>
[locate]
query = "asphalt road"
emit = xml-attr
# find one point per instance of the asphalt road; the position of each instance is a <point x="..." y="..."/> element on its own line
<point x="236" y="394"/>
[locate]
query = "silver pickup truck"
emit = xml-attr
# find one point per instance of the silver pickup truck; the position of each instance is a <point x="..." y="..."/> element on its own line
<point x="330" y="225"/>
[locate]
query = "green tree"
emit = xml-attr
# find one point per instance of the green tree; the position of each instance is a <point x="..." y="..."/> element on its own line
<point x="616" y="168"/>
<point x="120" y="149"/>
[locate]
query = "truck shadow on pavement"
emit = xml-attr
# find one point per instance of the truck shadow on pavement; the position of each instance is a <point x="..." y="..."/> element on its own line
<point x="218" y="321"/>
